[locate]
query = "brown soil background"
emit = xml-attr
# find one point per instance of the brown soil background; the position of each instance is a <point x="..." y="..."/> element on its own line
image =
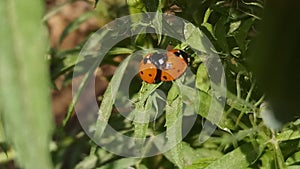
<point x="56" y="24"/>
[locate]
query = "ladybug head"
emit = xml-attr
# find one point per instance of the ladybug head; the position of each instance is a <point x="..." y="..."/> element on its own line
<point x="184" y="55"/>
<point x="158" y="59"/>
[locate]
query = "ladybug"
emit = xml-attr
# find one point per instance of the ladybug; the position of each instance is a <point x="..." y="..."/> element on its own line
<point x="165" y="67"/>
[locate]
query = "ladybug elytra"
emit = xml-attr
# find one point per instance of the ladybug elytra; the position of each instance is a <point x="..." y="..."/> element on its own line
<point x="165" y="67"/>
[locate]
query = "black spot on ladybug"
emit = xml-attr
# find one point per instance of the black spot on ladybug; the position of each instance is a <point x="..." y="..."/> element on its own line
<point x="142" y="72"/>
<point x="178" y="70"/>
<point x="165" y="77"/>
<point x="150" y="75"/>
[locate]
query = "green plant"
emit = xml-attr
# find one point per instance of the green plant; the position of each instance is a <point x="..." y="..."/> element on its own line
<point x="241" y="139"/>
<point x="25" y="109"/>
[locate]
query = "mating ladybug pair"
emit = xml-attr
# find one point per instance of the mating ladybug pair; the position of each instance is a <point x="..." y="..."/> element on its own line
<point x="165" y="67"/>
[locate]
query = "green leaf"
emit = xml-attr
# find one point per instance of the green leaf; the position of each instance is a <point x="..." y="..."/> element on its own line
<point x="75" y="24"/>
<point x="63" y="65"/>
<point x="76" y="97"/>
<point x="124" y="163"/>
<point x="238" y="103"/>
<point x="25" y="82"/>
<point x="288" y="134"/>
<point x="141" y="119"/>
<point x="7" y="156"/>
<point x="202" y="80"/>
<point x="189" y="97"/>
<point x="2" y="132"/>
<point x="293" y="167"/>
<point x="204" y="108"/>
<point x="143" y="110"/>
<point x="194" y="158"/>
<point x="196" y="39"/>
<point x="289" y="147"/>
<point x="142" y="166"/>
<point x="96" y="3"/>
<point x="241" y="34"/>
<point x="120" y="51"/>
<point x="205" y="23"/>
<point x="174" y="124"/>
<point x="234" y="26"/>
<point x="103" y="155"/>
<point x="256" y="4"/>
<point x="201" y="163"/>
<point x="157" y="23"/>
<point x="220" y="33"/>
<point x="109" y="98"/>
<point x="136" y="6"/>
<point x="279" y="159"/>
<point x="239" y="158"/>
<point x="207" y="156"/>
<point x="267" y="160"/>
<point x="87" y="163"/>
<point x="294" y="159"/>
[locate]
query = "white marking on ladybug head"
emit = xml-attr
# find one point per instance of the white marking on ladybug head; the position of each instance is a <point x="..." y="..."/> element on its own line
<point x="161" y="61"/>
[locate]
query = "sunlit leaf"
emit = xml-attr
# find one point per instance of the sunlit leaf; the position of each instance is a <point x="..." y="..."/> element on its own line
<point x="87" y="163"/>
<point x="239" y="158"/>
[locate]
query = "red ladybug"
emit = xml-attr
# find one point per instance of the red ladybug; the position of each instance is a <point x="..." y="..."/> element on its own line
<point x="165" y="67"/>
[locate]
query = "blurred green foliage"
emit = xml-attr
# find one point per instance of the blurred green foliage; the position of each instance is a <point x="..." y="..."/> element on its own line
<point x="25" y="104"/>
